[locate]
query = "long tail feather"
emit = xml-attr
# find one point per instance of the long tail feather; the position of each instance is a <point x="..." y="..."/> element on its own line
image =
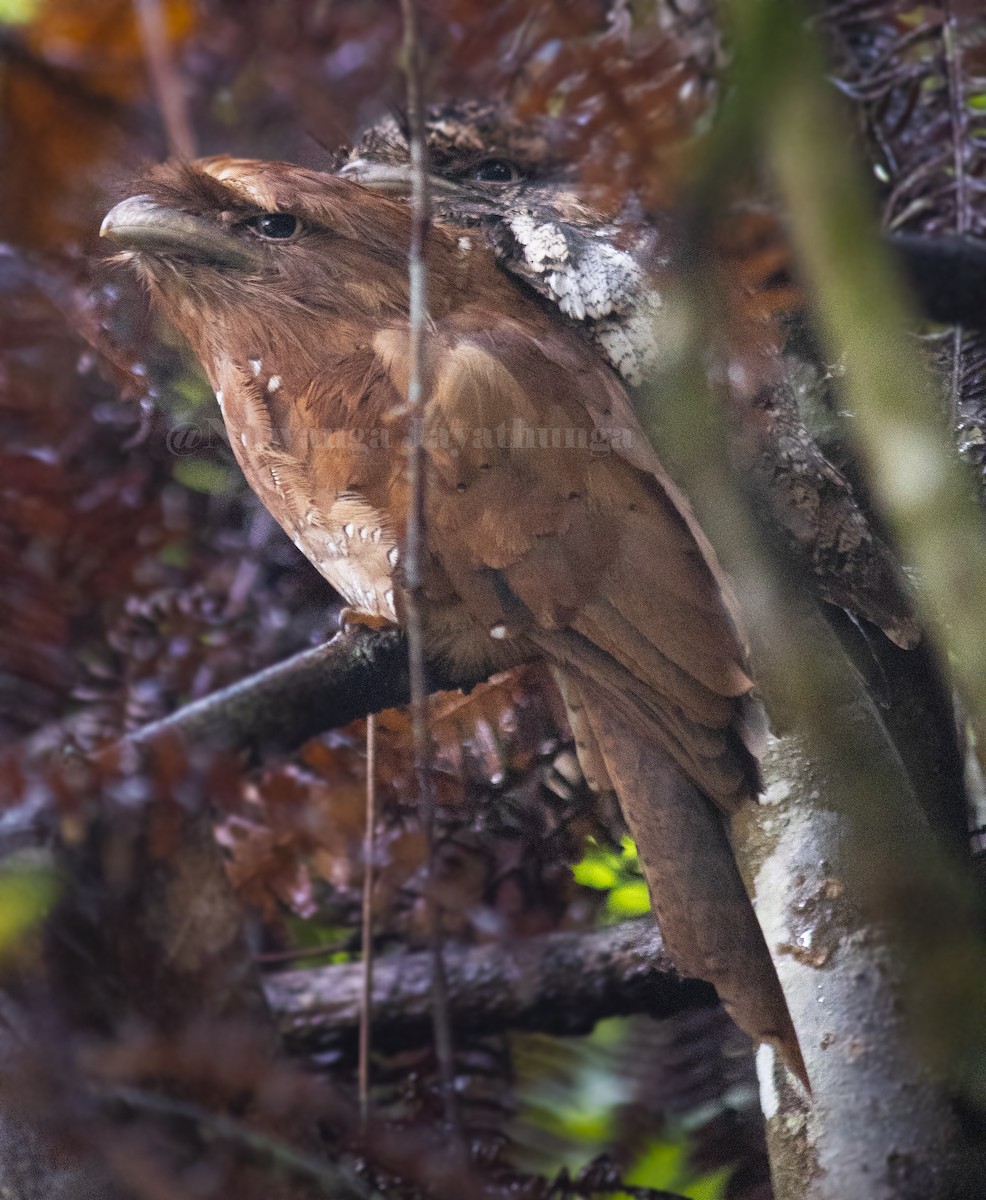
<point x="701" y="905"/>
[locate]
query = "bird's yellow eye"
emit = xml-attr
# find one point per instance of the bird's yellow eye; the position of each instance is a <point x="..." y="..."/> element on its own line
<point x="275" y="226"/>
<point x="494" y="170"/>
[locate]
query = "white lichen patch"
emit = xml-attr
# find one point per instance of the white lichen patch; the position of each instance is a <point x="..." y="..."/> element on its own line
<point x="581" y="271"/>
<point x="592" y="281"/>
<point x="543" y="242"/>
<point x="629" y="342"/>
<point x="598" y="282"/>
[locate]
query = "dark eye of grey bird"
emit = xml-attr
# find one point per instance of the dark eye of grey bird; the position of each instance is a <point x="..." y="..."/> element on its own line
<point x="275" y="227"/>
<point x="494" y="170"/>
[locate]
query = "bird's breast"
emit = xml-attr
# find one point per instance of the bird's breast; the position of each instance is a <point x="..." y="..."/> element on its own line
<point x="309" y="482"/>
<point x="350" y="544"/>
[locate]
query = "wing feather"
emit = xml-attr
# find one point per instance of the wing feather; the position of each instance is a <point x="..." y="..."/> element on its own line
<point x="552" y="516"/>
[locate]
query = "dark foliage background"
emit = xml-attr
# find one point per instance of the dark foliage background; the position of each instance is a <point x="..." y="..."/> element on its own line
<point x="139" y="573"/>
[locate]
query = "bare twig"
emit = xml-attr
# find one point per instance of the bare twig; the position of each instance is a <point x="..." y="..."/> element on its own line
<point x="418" y="317"/>
<point x="417" y="533"/>
<point x="366" y="997"/>
<point x="167" y="86"/>
<point x="956" y="103"/>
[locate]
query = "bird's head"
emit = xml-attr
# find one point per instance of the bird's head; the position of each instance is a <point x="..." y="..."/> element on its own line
<point x="228" y="247"/>
<point x="504" y="177"/>
<point x="479" y="154"/>
<point x="482" y="160"/>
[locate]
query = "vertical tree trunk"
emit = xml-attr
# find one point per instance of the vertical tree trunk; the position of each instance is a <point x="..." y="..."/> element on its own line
<point x="878" y="1124"/>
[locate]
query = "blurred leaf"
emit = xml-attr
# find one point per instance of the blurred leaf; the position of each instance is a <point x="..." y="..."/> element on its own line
<point x="570" y="1092"/>
<point x="574" y="1095"/>
<point x="208" y="476"/>
<point x="628" y="900"/>
<point x="600" y="867"/>
<point x="26" y="894"/>
<point x="660" y="1165"/>
<point x="70" y="80"/>
<point x="313" y="934"/>
<point x="16" y="12"/>
<point x="664" y="1165"/>
<point x="594" y="872"/>
<point x="618" y="874"/>
<point x="189" y="396"/>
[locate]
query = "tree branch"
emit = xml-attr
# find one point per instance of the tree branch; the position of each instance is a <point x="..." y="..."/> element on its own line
<point x="562" y="983"/>
<point x="165" y="81"/>
<point x="358" y="672"/>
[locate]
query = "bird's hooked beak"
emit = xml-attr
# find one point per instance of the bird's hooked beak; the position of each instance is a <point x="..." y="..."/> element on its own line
<point x="395" y="179"/>
<point x="139" y="223"/>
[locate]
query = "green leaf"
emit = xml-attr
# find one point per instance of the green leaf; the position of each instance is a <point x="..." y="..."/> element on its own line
<point x="664" y="1166"/>
<point x="190" y="395"/>
<point x="605" y="869"/>
<point x="206" y="475"/>
<point x="629" y="848"/>
<point x="18" y="12"/>
<point x="307" y="934"/>
<point x="629" y="899"/>
<point x="26" y="894"/>
<point x="594" y="873"/>
<point x="174" y="554"/>
<point x="660" y="1166"/>
<point x="710" y="1187"/>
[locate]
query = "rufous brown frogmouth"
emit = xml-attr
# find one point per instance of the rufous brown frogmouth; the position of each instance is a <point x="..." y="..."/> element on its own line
<point x="553" y="531"/>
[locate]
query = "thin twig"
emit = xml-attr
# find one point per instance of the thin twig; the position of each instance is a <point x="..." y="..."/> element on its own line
<point x="418" y="317"/>
<point x="416" y="537"/>
<point x="167" y="85"/>
<point x="951" y="41"/>
<point x="366" y="997"/>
